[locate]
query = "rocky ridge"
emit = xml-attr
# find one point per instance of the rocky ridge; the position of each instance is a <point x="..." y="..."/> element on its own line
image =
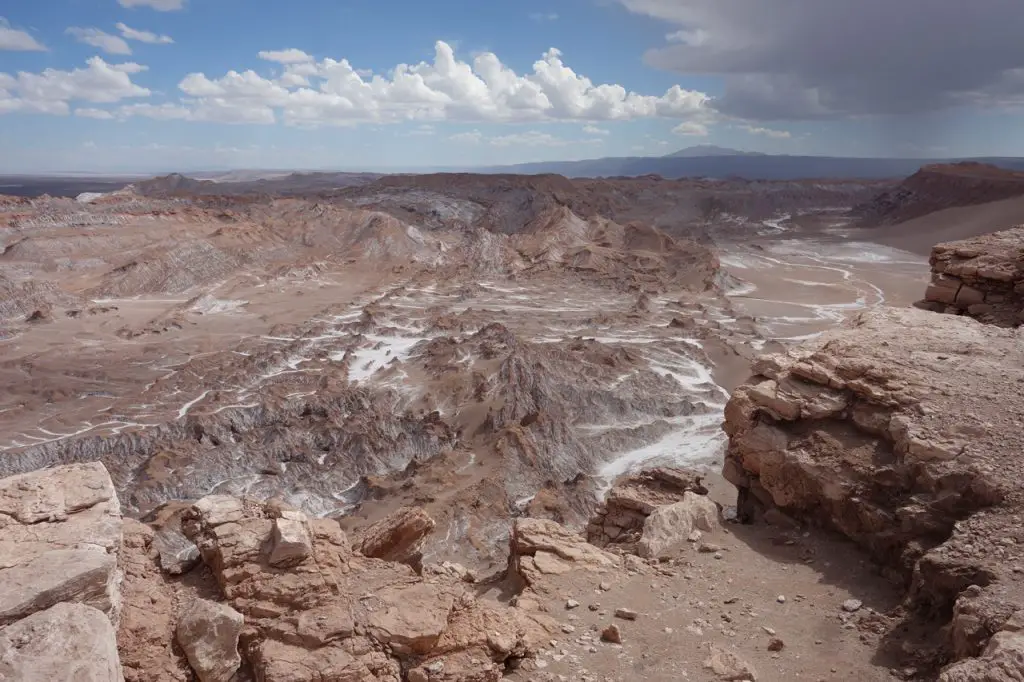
<point x="937" y="187"/>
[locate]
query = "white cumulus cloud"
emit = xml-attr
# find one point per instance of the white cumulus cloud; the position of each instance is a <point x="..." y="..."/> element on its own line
<point x="692" y="128"/>
<point x="594" y="130"/>
<point x="93" y="36"/>
<point x="52" y="90"/>
<point x="17" y="40"/>
<point x="158" y="5"/>
<point x="290" y="56"/>
<point x="767" y="132"/>
<point x="149" y="37"/>
<point x="332" y="92"/>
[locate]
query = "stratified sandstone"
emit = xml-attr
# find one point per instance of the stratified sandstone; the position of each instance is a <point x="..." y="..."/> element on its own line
<point x="902" y="431"/>
<point x="982" y="277"/>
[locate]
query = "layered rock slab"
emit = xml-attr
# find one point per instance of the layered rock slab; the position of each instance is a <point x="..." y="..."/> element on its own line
<point x="60" y="535"/>
<point x="982" y="277"/>
<point x="901" y="430"/>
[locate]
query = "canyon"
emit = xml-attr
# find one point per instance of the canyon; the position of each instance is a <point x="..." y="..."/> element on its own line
<point x="393" y="429"/>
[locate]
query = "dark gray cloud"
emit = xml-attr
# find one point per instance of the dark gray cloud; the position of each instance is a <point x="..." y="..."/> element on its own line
<point x="806" y="59"/>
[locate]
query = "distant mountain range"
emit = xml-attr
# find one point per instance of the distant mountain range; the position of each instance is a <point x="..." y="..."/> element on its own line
<point x="708" y="150"/>
<point x="718" y="162"/>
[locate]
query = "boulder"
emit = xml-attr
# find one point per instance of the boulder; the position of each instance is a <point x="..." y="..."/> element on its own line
<point x="290" y="543"/>
<point x="398" y="537"/>
<point x="177" y="553"/>
<point x="668" y="528"/>
<point x="335" y="614"/>
<point x="981" y="276"/>
<point x="60" y="532"/>
<point x="64" y="642"/>
<point x="541" y="546"/>
<point x="208" y="634"/>
<point x="145" y="633"/>
<point x="620" y="520"/>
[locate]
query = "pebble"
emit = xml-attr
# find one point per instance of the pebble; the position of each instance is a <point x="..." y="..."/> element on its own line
<point x="594" y="607"/>
<point x="776" y="644"/>
<point x="612" y="634"/>
<point x="605" y="586"/>
<point x="568" y="629"/>
<point x="768" y="630"/>
<point x="852" y="605"/>
<point x="781" y="599"/>
<point x="571" y="603"/>
<point x="625" y="614"/>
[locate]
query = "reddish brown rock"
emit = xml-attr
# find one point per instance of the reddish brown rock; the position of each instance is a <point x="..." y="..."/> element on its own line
<point x="399" y="537"/>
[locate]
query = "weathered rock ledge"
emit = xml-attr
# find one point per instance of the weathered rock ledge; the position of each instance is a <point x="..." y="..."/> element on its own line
<point x="60" y="534"/>
<point x="903" y="431"/>
<point x="982" y="277"/>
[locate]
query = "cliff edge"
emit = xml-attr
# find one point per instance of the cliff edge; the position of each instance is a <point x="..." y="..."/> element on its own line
<point x="901" y="431"/>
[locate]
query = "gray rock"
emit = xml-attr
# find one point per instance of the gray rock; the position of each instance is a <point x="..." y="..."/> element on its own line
<point x="177" y="553"/>
<point x="88" y="576"/>
<point x="208" y="634"/>
<point x="71" y="642"/>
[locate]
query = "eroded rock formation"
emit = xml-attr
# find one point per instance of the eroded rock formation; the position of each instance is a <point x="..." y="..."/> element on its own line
<point x="901" y="431"/>
<point x="982" y="277"/>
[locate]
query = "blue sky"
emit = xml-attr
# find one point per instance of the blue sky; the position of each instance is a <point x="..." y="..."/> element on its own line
<point x="160" y="85"/>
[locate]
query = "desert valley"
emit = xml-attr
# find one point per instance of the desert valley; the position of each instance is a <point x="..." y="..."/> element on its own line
<point x="458" y="427"/>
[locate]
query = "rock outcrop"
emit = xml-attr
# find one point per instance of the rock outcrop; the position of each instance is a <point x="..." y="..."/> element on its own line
<point x="982" y="277"/>
<point x="334" y="614"/>
<point x="619" y="522"/>
<point x="60" y="533"/>
<point x="902" y="431"/>
<point x="543" y="547"/>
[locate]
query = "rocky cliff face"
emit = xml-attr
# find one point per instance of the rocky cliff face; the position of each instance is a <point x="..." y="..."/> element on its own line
<point x="982" y="277"/>
<point x="901" y="431"/>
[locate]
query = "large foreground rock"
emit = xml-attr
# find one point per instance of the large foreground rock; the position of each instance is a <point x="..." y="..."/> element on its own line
<point x="67" y="642"/>
<point x="982" y="277"/>
<point x="60" y="531"/>
<point x="897" y="430"/>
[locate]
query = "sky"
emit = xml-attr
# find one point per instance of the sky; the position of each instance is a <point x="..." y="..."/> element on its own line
<point x="179" y="85"/>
